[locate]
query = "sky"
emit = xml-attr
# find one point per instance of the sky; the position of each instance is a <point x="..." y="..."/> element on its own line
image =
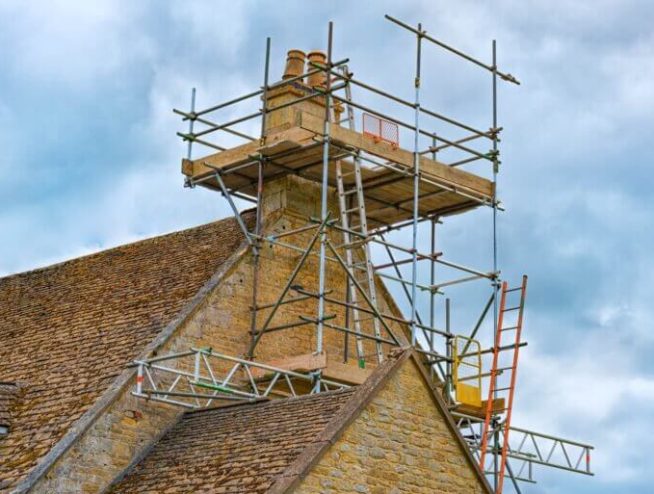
<point x="90" y="160"/>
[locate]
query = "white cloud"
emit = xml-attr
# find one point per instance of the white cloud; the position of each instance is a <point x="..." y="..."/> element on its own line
<point x="586" y="97"/>
<point x="632" y="69"/>
<point x="593" y="393"/>
<point x="217" y="28"/>
<point x="73" y="44"/>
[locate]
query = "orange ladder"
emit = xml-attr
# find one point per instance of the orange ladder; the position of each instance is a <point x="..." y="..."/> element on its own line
<point x="507" y="392"/>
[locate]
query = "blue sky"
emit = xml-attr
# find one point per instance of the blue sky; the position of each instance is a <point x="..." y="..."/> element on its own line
<point x="90" y="160"/>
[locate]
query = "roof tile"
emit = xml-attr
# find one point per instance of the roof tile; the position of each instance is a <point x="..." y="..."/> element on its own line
<point x="9" y="394"/>
<point x="235" y="449"/>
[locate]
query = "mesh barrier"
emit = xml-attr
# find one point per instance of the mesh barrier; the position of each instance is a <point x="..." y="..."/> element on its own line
<point x="381" y="130"/>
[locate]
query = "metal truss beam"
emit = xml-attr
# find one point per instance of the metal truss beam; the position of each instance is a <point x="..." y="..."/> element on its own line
<point x="528" y="449"/>
<point x="199" y="377"/>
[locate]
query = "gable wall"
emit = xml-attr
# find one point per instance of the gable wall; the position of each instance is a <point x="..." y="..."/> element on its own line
<point x="400" y="443"/>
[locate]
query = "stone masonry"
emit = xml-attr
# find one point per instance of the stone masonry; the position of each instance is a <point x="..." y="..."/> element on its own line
<point x="399" y="444"/>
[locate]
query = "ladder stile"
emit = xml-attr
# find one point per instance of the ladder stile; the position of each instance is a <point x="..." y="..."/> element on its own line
<point x="348" y="259"/>
<point x="491" y="419"/>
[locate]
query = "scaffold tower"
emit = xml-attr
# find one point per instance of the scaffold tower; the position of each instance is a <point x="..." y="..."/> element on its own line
<point x="382" y="180"/>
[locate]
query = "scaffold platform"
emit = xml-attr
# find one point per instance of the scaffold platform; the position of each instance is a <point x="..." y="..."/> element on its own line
<point x="388" y="186"/>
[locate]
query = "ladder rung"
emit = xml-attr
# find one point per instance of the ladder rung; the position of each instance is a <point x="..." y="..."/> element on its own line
<point x="513" y="289"/>
<point x="502" y="369"/>
<point x="503" y="389"/>
<point x="511" y="308"/>
<point x="351" y="210"/>
<point x="509" y="329"/>
<point x="350" y="192"/>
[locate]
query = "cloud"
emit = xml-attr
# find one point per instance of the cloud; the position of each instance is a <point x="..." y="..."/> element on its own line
<point x="591" y="393"/>
<point x="90" y="160"/>
<point x="72" y="44"/>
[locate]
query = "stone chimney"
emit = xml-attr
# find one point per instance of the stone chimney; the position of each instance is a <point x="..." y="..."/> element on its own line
<point x="297" y="63"/>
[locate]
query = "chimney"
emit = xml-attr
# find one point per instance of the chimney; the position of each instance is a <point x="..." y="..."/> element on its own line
<point x="283" y="95"/>
<point x="294" y="64"/>
<point x="319" y="58"/>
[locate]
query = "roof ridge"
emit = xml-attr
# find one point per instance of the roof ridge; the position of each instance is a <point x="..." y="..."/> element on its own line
<point x="108" y="250"/>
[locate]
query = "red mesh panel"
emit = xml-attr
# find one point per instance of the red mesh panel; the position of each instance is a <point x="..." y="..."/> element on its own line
<point x="381" y="130"/>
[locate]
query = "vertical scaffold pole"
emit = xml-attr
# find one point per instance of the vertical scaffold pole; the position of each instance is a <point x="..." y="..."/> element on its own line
<point x="191" y="121"/>
<point x="495" y="282"/>
<point x="323" y="197"/>
<point x="432" y="271"/>
<point x="255" y="250"/>
<point x="264" y="95"/>
<point x="432" y="282"/>
<point x="448" y="351"/>
<point x="416" y="188"/>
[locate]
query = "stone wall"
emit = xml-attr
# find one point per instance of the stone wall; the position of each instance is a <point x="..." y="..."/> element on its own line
<point x="225" y="321"/>
<point x="400" y="443"/>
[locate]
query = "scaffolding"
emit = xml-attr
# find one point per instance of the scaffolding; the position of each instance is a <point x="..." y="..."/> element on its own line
<point x="214" y="377"/>
<point x="382" y="189"/>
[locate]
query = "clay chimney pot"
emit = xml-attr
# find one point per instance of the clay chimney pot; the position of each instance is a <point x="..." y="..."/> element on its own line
<point x="319" y="58"/>
<point x="294" y="64"/>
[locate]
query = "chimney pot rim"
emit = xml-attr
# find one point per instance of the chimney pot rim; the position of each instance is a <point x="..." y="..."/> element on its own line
<point x="294" y="51"/>
<point x="317" y="52"/>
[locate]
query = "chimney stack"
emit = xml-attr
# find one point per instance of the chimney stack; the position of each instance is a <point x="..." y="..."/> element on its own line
<point x="294" y="64"/>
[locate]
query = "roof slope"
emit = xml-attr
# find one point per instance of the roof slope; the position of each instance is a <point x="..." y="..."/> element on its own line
<point x="9" y="393"/>
<point x="235" y="449"/>
<point x="267" y="446"/>
<point x="68" y="330"/>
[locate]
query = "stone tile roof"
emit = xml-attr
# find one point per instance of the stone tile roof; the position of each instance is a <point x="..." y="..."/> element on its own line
<point x="68" y="330"/>
<point x="9" y="394"/>
<point x="235" y="449"/>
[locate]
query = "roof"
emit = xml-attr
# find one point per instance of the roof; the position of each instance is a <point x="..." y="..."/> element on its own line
<point x="68" y="330"/>
<point x="265" y="446"/>
<point x="235" y="449"/>
<point x="9" y="393"/>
